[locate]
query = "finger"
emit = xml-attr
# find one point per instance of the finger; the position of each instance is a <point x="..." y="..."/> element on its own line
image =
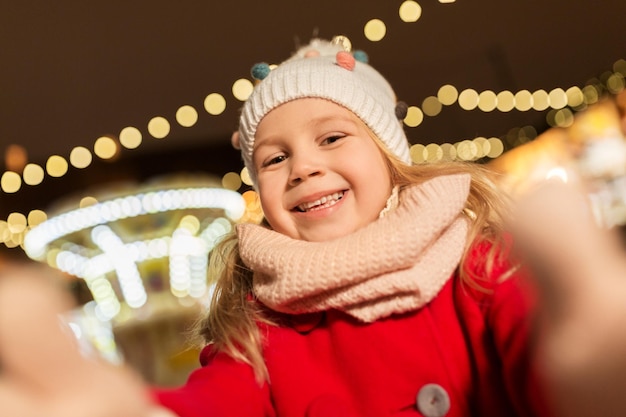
<point x="42" y="365"/>
<point x="560" y="240"/>
<point x="17" y="402"/>
<point x="30" y="328"/>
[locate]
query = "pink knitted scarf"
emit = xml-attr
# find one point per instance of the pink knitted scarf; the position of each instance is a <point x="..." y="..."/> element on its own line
<point x="396" y="264"/>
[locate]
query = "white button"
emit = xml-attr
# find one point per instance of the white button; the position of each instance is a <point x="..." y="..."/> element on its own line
<point x="433" y="401"/>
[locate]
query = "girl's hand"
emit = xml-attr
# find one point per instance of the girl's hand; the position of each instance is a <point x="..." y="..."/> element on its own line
<point x="42" y="373"/>
<point x="580" y="275"/>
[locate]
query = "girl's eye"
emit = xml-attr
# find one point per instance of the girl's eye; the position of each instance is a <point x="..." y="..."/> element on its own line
<point x="275" y="160"/>
<point x="332" y="139"/>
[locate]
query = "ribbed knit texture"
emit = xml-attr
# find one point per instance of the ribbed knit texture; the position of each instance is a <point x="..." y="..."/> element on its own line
<point x="363" y="90"/>
<point x="396" y="264"/>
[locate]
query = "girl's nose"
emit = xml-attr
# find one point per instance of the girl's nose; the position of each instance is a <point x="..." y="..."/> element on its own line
<point x="304" y="166"/>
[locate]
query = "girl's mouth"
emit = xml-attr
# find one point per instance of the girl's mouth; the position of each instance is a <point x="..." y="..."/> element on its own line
<point x="320" y="203"/>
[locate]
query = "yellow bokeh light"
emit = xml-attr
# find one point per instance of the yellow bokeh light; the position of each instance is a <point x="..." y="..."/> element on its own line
<point x="36" y="217"/>
<point x="410" y="11"/>
<point x="434" y="152"/>
<point x="10" y="182"/>
<point x="541" y="100"/>
<point x="245" y="176"/>
<point x="449" y="152"/>
<point x="231" y="181"/>
<point x="15" y="157"/>
<point x="343" y="41"/>
<point x="105" y="147"/>
<point x="418" y="153"/>
<point x="466" y="150"/>
<point x="505" y="101"/>
<point x="159" y="127"/>
<point x="558" y="98"/>
<point x="496" y="147"/>
<point x="375" y="30"/>
<point x="447" y="95"/>
<point x="564" y="118"/>
<point x="5" y="233"/>
<point x="87" y="201"/>
<point x="523" y="100"/>
<point x="615" y="83"/>
<point x="575" y="97"/>
<point x="482" y="146"/>
<point x="130" y="137"/>
<point x="242" y="88"/>
<point x="17" y="222"/>
<point x="33" y="174"/>
<point x="468" y="99"/>
<point x="191" y="223"/>
<point x="414" y="116"/>
<point x="431" y="106"/>
<point x="215" y="104"/>
<point x="56" y="166"/>
<point x="186" y="116"/>
<point x="252" y="200"/>
<point x="590" y="92"/>
<point x="80" y="157"/>
<point x="487" y="101"/>
<point x="620" y="66"/>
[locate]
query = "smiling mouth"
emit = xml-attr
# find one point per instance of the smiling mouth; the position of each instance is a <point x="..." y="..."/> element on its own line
<point x="320" y="203"/>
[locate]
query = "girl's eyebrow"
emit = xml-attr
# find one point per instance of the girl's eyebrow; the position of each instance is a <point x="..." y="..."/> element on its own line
<point x="331" y="118"/>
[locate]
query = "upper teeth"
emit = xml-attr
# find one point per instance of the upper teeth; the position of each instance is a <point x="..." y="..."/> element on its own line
<point x="323" y="202"/>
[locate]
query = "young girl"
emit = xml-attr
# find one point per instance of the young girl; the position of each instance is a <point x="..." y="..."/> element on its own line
<point x="374" y="287"/>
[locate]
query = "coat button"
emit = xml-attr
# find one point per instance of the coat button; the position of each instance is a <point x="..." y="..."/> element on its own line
<point x="305" y="323"/>
<point x="433" y="401"/>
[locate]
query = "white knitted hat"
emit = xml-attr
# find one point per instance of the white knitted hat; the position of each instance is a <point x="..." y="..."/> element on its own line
<point x="326" y="70"/>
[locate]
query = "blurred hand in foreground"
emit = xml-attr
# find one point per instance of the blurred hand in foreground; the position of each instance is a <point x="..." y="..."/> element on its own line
<point x="42" y="372"/>
<point x="580" y="275"/>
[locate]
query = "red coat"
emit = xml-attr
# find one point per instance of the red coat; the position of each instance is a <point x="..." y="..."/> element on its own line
<point x="463" y="354"/>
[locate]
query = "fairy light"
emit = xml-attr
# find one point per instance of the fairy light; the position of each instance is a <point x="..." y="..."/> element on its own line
<point x="245" y="176"/>
<point x="80" y="157"/>
<point x="130" y="137"/>
<point x="186" y="116"/>
<point x="10" y="182"/>
<point x="33" y="174"/>
<point x="447" y="94"/>
<point x="523" y="100"/>
<point x="487" y="101"/>
<point x="414" y="116"/>
<point x="231" y="181"/>
<point x="105" y="147"/>
<point x="215" y="104"/>
<point x="431" y="106"/>
<point x="505" y="101"/>
<point x="375" y="30"/>
<point x="159" y="127"/>
<point x="242" y="88"/>
<point x="56" y="166"/>
<point x="410" y="11"/>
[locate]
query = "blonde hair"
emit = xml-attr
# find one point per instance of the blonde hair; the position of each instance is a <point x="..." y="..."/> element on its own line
<point x="231" y="322"/>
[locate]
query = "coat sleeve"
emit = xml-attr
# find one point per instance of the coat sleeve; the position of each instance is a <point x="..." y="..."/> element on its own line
<point x="222" y="387"/>
<point x="509" y="317"/>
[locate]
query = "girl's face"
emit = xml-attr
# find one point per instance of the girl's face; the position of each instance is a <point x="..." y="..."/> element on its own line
<point x="320" y="175"/>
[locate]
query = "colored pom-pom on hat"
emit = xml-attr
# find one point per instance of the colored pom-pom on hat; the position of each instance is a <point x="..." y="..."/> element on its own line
<point x="345" y="60"/>
<point x="402" y="109"/>
<point x="328" y="70"/>
<point x="361" y="56"/>
<point x="260" y="71"/>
